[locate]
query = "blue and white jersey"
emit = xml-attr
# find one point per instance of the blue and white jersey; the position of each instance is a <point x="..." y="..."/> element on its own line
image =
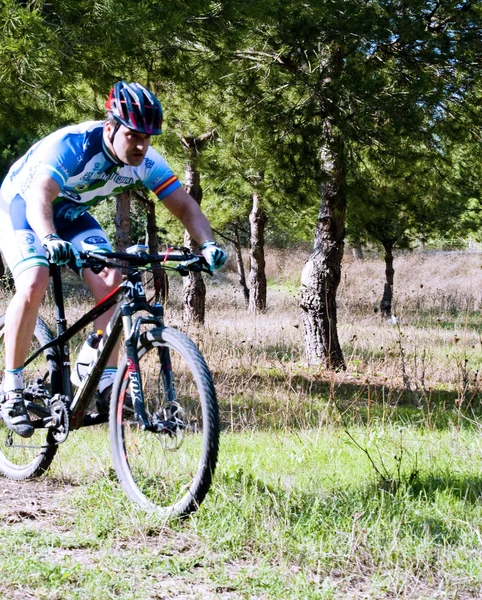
<point x="77" y="159"/>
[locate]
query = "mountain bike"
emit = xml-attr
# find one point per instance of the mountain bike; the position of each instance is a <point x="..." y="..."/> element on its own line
<point x="163" y="414"/>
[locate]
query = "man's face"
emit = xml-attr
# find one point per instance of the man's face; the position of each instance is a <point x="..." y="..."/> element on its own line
<point x="129" y="146"/>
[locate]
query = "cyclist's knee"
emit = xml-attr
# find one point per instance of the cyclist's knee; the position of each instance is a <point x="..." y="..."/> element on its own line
<point x="32" y="284"/>
<point x="111" y="278"/>
<point x="104" y="282"/>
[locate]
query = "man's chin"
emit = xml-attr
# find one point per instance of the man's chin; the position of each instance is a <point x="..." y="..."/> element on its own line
<point x="134" y="161"/>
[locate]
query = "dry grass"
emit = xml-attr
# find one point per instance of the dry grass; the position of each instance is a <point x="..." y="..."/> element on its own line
<point x="431" y="358"/>
<point x="436" y="342"/>
<point x="438" y="282"/>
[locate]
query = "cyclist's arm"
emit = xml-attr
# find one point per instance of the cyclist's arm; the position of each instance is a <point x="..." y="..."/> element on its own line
<point x="187" y="210"/>
<point x="39" y="205"/>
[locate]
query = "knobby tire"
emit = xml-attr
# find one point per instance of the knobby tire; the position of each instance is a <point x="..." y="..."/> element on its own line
<point x="22" y="458"/>
<point x="169" y="473"/>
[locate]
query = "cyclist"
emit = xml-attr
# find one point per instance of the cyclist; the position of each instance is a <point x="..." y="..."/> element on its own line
<point x="44" y="204"/>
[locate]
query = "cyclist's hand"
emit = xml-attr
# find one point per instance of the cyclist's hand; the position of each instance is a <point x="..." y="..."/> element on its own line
<point x="59" y="251"/>
<point x="214" y="255"/>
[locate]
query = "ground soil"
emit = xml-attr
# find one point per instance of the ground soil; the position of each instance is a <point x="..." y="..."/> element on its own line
<point x="42" y="504"/>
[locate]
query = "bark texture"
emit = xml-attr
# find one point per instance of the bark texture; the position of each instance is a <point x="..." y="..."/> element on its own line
<point x="322" y="272"/>
<point x="239" y="263"/>
<point x="387" y="298"/>
<point x="257" y="275"/>
<point x="160" y="282"/>
<point x="194" y="289"/>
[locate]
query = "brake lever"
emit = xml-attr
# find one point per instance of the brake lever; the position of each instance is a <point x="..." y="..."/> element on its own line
<point x="193" y="265"/>
<point x="95" y="268"/>
<point x="191" y="261"/>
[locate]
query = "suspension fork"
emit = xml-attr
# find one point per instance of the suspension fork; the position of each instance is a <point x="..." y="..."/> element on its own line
<point x="166" y="375"/>
<point x="132" y="333"/>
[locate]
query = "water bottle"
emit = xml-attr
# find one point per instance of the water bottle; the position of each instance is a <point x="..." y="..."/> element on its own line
<point x="87" y="355"/>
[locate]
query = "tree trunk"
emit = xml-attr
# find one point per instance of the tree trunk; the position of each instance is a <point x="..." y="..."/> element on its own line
<point x="2" y="267"/>
<point x="322" y="272"/>
<point x="123" y="222"/>
<point x="194" y="291"/>
<point x="387" y="299"/>
<point x="422" y="239"/>
<point x="357" y="250"/>
<point x="160" y="281"/>
<point x="239" y="263"/>
<point x="257" y="275"/>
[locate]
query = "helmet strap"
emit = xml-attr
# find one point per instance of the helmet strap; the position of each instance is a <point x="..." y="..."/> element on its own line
<point x="114" y="131"/>
<point x="111" y="141"/>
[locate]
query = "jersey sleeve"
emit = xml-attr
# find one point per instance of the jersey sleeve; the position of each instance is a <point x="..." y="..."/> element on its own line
<point x="158" y="176"/>
<point x="61" y="159"/>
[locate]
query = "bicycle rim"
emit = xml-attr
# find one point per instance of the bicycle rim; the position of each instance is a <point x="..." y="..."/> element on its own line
<point x="171" y="471"/>
<point x="22" y="458"/>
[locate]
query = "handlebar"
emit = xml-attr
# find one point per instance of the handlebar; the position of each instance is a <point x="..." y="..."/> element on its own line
<point x="143" y="261"/>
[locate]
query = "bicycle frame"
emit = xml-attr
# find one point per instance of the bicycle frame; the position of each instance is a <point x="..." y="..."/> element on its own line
<point x="132" y="290"/>
<point x="163" y="415"/>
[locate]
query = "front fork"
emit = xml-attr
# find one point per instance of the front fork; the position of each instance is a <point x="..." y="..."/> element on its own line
<point x="132" y="333"/>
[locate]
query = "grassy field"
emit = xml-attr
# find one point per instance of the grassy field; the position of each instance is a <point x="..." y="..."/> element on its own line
<point x="363" y="484"/>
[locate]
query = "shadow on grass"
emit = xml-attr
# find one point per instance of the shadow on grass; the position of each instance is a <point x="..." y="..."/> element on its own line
<point x="361" y="507"/>
<point x="275" y="400"/>
<point x="467" y="488"/>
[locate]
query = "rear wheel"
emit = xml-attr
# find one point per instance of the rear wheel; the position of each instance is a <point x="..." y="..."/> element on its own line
<point x="169" y="470"/>
<point x="22" y="458"/>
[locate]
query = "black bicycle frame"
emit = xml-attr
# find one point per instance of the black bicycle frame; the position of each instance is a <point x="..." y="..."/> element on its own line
<point x="133" y="291"/>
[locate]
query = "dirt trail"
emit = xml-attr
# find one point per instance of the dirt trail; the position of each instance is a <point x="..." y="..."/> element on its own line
<point x="36" y="500"/>
<point x="41" y="504"/>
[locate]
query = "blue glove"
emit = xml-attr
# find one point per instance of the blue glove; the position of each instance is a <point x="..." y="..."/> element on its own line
<point x="59" y="251"/>
<point x="214" y="255"/>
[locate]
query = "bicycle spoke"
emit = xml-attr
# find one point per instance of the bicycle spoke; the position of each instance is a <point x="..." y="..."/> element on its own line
<point x="22" y="458"/>
<point x="170" y="469"/>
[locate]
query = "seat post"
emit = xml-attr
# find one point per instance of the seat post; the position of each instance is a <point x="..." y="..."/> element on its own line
<point x="58" y="298"/>
<point x="64" y="365"/>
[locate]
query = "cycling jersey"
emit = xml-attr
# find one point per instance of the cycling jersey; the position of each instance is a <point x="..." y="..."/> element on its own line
<point x="77" y="159"/>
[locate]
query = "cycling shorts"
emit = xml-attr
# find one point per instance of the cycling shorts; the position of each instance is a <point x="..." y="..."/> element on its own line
<point x="22" y="248"/>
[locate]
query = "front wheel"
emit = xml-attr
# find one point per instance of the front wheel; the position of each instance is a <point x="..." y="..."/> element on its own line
<point x="169" y="470"/>
<point x="23" y="458"/>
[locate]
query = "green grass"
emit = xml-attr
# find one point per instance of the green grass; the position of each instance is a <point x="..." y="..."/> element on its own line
<point x="364" y="484"/>
<point x="314" y="514"/>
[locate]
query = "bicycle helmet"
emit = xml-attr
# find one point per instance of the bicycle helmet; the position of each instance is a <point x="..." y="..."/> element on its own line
<point x="134" y="106"/>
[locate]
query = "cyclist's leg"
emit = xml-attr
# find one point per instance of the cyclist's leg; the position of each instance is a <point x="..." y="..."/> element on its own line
<point x="27" y="261"/>
<point x="21" y="314"/>
<point x="101" y="285"/>
<point x="86" y="234"/>
<point x="20" y="320"/>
